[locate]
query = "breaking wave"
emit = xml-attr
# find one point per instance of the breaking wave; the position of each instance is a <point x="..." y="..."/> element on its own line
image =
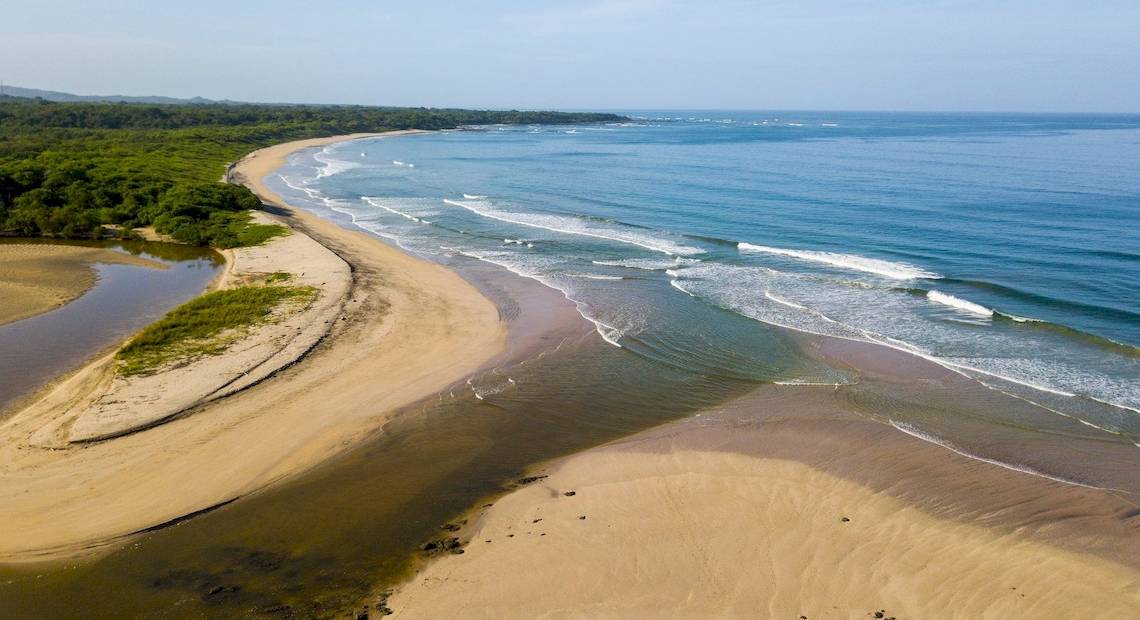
<point x="885" y="268"/>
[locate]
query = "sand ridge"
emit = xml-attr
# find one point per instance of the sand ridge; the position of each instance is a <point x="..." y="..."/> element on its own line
<point x="408" y="329"/>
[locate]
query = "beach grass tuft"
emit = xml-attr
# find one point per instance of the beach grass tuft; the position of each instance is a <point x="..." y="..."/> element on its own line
<point x="207" y="325"/>
<point x="250" y="233"/>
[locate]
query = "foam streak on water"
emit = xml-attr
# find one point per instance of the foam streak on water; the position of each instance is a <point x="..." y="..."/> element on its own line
<point x="887" y="269"/>
<point x="640" y="225"/>
<point x="574" y="226"/>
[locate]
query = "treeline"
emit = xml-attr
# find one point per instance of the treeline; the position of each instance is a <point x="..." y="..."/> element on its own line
<point x="81" y="169"/>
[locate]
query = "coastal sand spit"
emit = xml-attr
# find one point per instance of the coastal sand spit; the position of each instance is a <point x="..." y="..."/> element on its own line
<point x="410" y="329"/>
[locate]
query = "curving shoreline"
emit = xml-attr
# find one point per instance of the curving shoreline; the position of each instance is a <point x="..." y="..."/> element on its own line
<point x="407" y="329"/>
<point x="784" y="504"/>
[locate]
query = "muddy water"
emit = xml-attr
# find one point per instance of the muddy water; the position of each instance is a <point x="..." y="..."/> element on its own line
<point x="320" y="544"/>
<point x="332" y="538"/>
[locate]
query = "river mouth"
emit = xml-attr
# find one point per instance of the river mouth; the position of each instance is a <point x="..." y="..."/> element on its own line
<point x="319" y="543"/>
<point x="125" y="298"/>
<point x="337" y="535"/>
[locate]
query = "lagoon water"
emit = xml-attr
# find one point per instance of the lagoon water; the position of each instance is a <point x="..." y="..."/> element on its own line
<point x="1004" y="247"/>
<point x="125" y="298"/>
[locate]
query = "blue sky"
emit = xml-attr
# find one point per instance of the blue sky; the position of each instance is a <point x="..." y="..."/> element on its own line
<point x="1021" y="55"/>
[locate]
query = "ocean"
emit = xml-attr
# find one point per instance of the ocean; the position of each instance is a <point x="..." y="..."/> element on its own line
<point x="1003" y="247"/>
<point x="714" y="256"/>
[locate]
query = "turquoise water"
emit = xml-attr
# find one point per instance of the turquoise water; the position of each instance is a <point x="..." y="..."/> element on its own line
<point x="1004" y="247"/>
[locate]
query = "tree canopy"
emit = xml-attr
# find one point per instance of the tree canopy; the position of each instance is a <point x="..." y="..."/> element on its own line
<point x="71" y="169"/>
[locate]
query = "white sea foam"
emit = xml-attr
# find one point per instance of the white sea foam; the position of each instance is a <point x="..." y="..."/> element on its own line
<point x="781" y="300"/>
<point x="376" y="203"/>
<point x="609" y="333"/>
<point x="594" y="276"/>
<point x="677" y="285"/>
<point x="574" y="226"/>
<point x="958" y="303"/>
<point x="885" y="268"/>
<point x="648" y="264"/>
<point x="330" y="165"/>
<point x="915" y="432"/>
<point x="396" y="162"/>
<point x="473" y="197"/>
<point x="800" y="383"/>
<point x="1018" y="319"/>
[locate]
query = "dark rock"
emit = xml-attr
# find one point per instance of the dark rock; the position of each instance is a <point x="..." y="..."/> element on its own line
<point x="220" y="590"/>
<point x="530" y="479"/>
<point x="537" y="520"/>
<point x="451" y="527"/>
<point x="879" y="614"/>
<point x="382" y="605"/>
<point x="845" y="519"/>
<point x="583" y="517"/>
<point x="570" y="494"/>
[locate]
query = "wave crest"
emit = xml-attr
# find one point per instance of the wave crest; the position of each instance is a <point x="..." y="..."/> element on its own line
<point x="877" y="266"/>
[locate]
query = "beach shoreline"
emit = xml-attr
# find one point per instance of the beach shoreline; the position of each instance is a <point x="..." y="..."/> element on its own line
<point x="785" y="501"/>
<point x="408" y="329"/>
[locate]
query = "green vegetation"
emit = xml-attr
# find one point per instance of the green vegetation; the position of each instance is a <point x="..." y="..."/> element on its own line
<point x="68" y="169"/>
<point x="207" y="325"/>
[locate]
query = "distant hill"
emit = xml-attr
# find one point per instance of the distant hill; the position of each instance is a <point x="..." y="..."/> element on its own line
<point x="52" y="95"/>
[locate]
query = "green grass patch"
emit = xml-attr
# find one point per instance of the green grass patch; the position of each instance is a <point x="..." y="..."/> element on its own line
<point x="257" y="234"/>
<point x="206" y="325"/>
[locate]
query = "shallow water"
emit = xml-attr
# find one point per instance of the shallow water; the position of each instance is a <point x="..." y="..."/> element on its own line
<point x="317" y="545"/>
<point x="1004" y="246"/>
<point x="685" y="334"/>
<point x="124" y="299"/>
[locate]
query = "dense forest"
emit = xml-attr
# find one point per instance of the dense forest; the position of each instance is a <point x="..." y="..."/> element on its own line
<point x="84" y="169"/>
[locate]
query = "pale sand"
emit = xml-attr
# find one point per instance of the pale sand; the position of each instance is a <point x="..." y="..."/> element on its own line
<point x="126" y="404"/>
<point x="410" y="328"/>
<point x="697" y="520"/>
<point x="37" y="277"/>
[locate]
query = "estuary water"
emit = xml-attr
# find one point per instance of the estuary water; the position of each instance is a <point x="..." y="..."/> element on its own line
<point x="709" y="251"/>
<point x="124" y="299"/>
<point x="1003" y="247"/>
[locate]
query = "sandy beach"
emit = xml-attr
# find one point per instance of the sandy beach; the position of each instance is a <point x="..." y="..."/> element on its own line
<point x="36" y="277"/>
<point x="817" y="516"/>
<point x="407" y="328"/>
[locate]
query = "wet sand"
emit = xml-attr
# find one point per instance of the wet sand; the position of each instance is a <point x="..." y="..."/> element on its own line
<point x="735" y="512"/>
<point x="37" y="277"/>
<point x="409" y="329"/>
<point x="814" y="501"/>
<point x="785" y="503"/>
